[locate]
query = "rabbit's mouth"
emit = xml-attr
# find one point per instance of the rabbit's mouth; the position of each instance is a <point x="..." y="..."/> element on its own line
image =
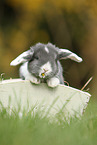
<point x="43" y="75"/>
<point x="46" y="75"/>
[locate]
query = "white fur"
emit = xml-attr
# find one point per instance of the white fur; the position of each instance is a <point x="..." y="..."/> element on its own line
<point x="27" y="74"/>
<point x="72" y="56"/>
<point x="20" y="58"/>
<point x="46" y="49"/>
<point x="53" y="82"/>
<point x="46" y="69"/>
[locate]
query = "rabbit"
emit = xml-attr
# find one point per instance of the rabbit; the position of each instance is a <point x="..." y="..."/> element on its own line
<point x="41" y="64"/>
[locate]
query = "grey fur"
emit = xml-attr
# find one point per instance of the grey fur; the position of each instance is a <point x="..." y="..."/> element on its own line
<point x="40" y="54"/>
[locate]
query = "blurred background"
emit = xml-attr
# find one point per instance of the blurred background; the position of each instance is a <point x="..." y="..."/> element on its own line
<point x="68" y="24"/>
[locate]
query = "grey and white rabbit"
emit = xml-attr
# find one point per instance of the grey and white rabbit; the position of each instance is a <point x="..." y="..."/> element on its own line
<point x="41" y="64"/>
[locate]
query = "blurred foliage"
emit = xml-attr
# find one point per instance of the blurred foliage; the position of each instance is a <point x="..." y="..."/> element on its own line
<point x="68" y="24"/>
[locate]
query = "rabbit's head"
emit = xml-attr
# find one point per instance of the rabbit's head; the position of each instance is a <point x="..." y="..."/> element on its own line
<point x="43" y="59"/>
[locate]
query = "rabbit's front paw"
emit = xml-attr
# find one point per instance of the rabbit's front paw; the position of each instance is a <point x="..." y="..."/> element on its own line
<point x="53" y="82"/>
<point x="35" y="80"/>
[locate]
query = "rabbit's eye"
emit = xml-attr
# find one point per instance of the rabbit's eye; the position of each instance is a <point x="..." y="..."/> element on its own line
<point x="36" y="57"/>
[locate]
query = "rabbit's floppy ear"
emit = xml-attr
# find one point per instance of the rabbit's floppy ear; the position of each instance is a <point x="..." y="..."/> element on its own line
<point x="65" y="54"/>
<point x="25" y="56"/>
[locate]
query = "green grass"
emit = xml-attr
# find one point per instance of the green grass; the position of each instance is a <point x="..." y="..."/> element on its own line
<point x="40" y="131"/>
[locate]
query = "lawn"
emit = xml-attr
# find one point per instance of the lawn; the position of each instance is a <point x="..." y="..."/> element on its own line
<point x="35" y="130"/>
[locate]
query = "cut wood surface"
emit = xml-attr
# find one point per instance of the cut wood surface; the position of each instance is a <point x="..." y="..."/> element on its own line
<point x="62" y="99"/>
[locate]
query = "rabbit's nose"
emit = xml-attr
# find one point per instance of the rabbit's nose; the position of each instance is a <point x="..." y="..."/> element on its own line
<point x="45" y="70"/>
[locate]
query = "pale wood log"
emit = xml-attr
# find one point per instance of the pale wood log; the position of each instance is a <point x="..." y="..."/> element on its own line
<point x="63" y="99"/>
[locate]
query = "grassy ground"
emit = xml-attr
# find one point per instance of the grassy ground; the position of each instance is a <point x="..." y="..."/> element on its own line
<point x="36" y="131"/>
